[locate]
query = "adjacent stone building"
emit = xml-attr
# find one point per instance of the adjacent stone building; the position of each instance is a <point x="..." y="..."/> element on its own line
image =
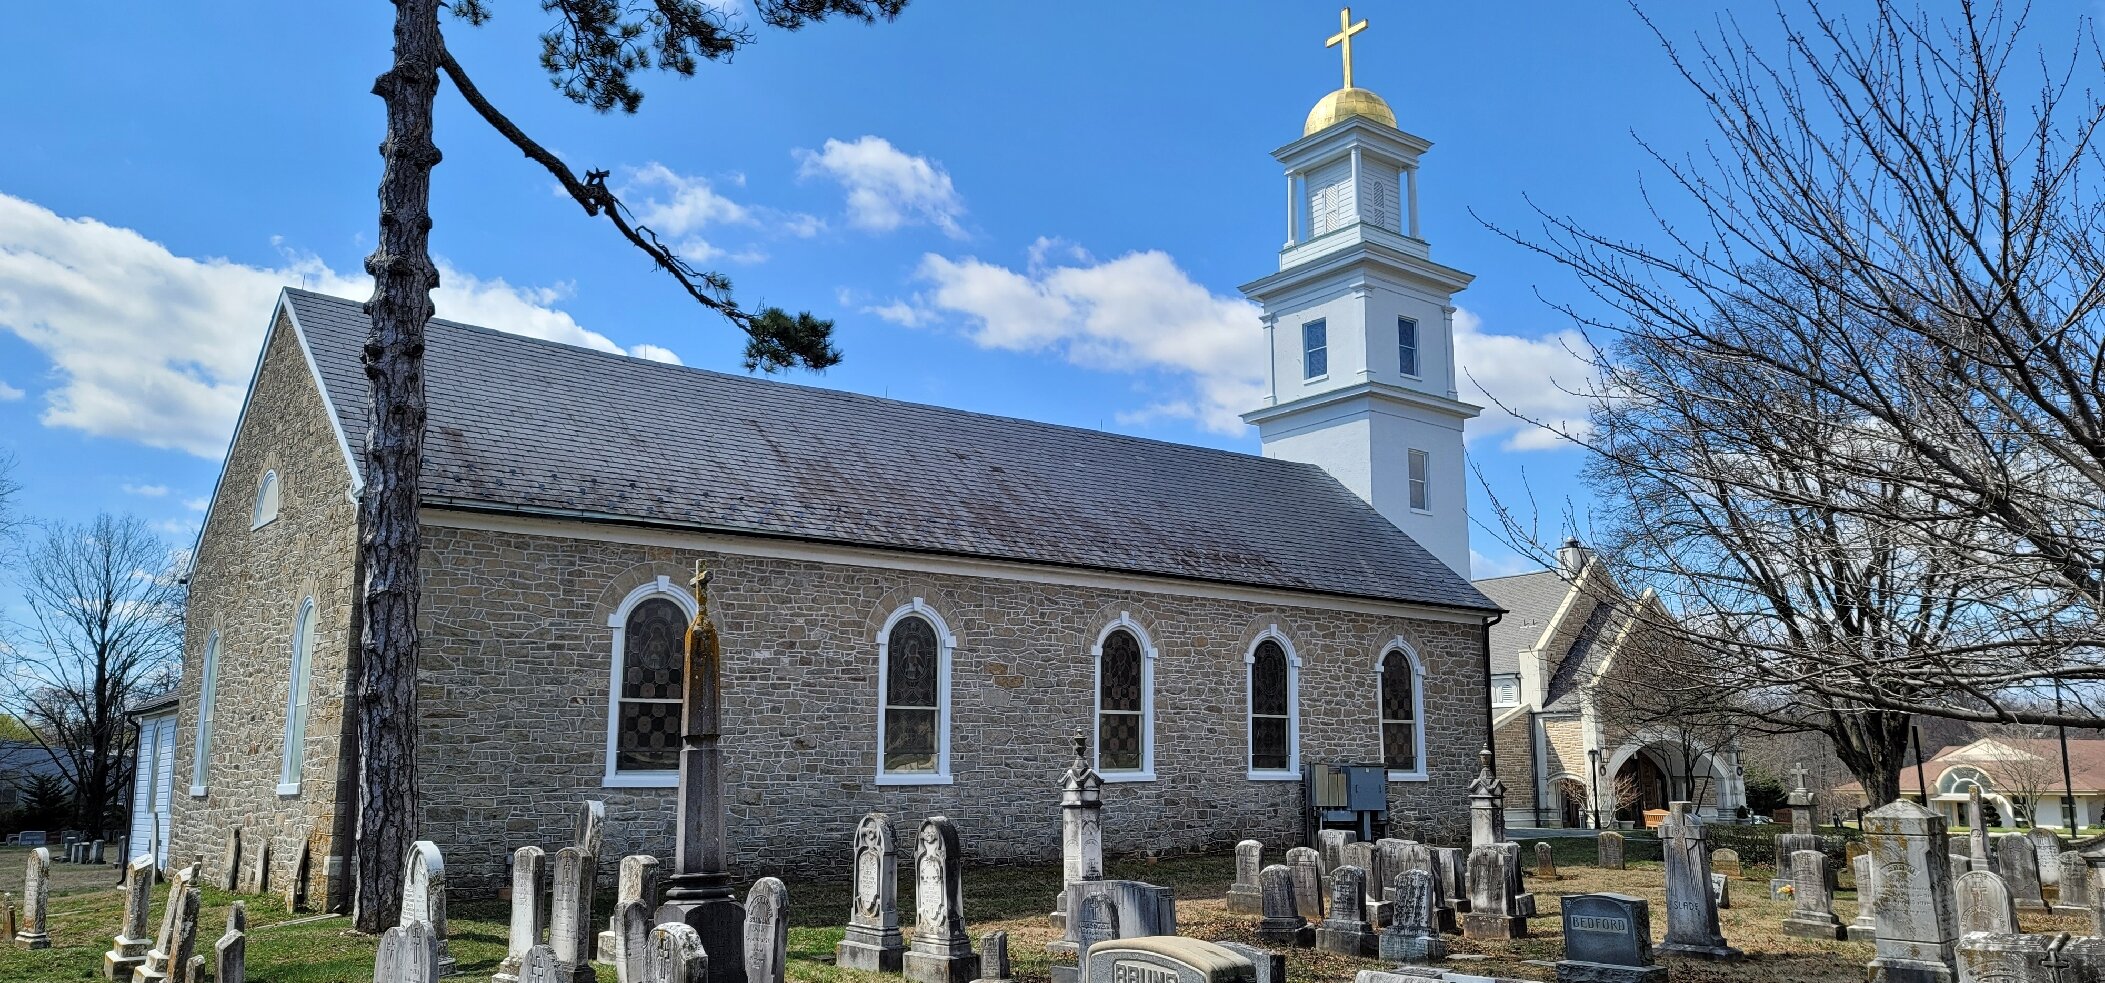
<point x="917" y="604"/>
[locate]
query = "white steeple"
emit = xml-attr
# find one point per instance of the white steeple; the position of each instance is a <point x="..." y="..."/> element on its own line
<point x="1360" y="322"/>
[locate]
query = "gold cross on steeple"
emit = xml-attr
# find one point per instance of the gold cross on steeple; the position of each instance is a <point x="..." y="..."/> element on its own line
<point x="700" y="583"/>
<point x="1346" y="29"/>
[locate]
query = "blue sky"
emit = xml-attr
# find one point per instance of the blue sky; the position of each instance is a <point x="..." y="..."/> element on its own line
<point x="1040" y="210"/>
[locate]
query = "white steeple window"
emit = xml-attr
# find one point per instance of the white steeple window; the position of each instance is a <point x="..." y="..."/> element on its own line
<point x="1421" y="498"/>
<point x="1407" y="346"/>
<point x="1315" y="349"/>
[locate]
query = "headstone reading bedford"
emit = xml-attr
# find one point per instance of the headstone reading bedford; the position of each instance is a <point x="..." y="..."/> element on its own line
<point x="1282" y="924"/>
<point x="424" y="897"/>
<point x="529" y="910"/>
<point x="1452" y="865"/>
<point x="1608" y="850"/>
<point x="32" y="933"/>
<point x="230" y="953"/>
<point x="872" y="941"/>
<point x="1168" y="960"/>
<point x="1345" y="931"/>
<point x="570" y="917"/>
<point x="1491" y="914"/>
<point x="1721" y="890"/>
<point x="1865" y="927"/>
<point x="1413" y="935"/>
<point x="408" y="954"/>
<point x="1243" y="896"/>
<point x="2018" y="862"/>
<point x="941" y="951"/>
<point x="2074" y="885"/>
<point x="1727" y="862"/>
<point x="2046" y="845"/>
<point x="1812" y="910"/>
<point x="128" y="950"/>
<point x="1307" y="868"/>
<point x="994" y="958"/>
<point x="1691" y="911"/>
<point x="1330" y="844"/>
<point x="1985" y="904"/>
<point x="698" y="892"/>
<point x="767" y="932"/>
<point x="1917" y="924"/>
<point x="1545" y="861"/>
<point x="1608" y="939"/>
<point x="676" y="955"/>
<point x="1487" y="804"/>
<point x="1081" y="826"/>
<point x="638" y="882"/>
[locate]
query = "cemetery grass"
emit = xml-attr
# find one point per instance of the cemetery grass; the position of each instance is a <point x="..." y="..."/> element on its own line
<point x="284" y="948"/>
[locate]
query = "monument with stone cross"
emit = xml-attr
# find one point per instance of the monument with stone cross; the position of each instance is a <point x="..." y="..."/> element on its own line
<point x="128" y="950"/>
<point x="1917" y="921"/>
<point x="872" y="941"/>
<point x="1608" y="939"/>
<point x="1413" y="935"/>
<point x="529" y="910"/>
<point x="1243" y="895"/>
<point x="1081" y="826"/>
<point x="698" y="894"/>
<point x="1801" y="802"/>
<point x="1691" y="909"/>
<point x="638" y="881"/>
<point x="1813" y="909"/>
<point x="1282" y="924"/>
<point x="32" y="933"/>
<point x="1346" y="931"/>
<point x="941" y="951"/>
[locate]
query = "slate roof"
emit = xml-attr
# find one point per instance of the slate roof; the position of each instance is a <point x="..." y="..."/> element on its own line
<point x="1530" y="600"/>
<point x="522" y="424"/>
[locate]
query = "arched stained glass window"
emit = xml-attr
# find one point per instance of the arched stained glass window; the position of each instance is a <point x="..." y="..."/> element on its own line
<point x="266" y="507"/>
<point x="912" y="698"/>
<point x="1399" y="712"/>
<point x="1271" y="708"/>
<point x="1121" y="720"/>
<point x="653" y="667"/>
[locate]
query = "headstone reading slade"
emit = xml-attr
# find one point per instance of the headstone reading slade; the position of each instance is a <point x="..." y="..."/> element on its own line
<point x="873" y="942"/>
<point x="570" y="917"/>
<point x="1413" y="935"/>
<point x="1608" y="850"/>
<point x="1345" y="931"/>
<point x="128" y="950"/>
<point x="1491" y="912"/>
<point x="638" y="882"/>
<point x="529" y="910"/>
<point x="1812" y="910"/>
<point x="1081" y="826"/>
<point x="676" y="955"/>
<point x="32" y="933"/>
<point x="1243" y="896"/>
<point x="941" y="951"/>
<point x="767" y="932"/>
<point x="1985" y="904"/>
<point x="1917" y="923"/>
<point x="1282" y="924"/>
<point x="1608" y="939"/>
<point x="424" y="897"/>
<point x="1691" y="910"/>
<point x="2018" y="862"/>
<point x="1307" y="868"/>
<point x="1168" y="960"/>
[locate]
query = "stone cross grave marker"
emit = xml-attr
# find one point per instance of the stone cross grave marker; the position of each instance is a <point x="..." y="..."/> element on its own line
<point x="424" y="897"/>
<point x="676" y="955"/>
<point x="128" y="950"/>
<point x="2018" y="861"/>
<point x="638" y="882"/>
<point x="1243" y="896"/>
<point x="1692" y="927"/>
<point x="1985" y="904"/>
<point x="1812" y="904"/>
<point x="941" y="951"/>
<point x="1801" y="802"/>
<point x="872" y="941"/>
<point x="1608" y="939"/>
<point x="1307" y="868"/>
<point x="1491" y="910"/>
<point x="1168" y="960"/>
<point x="529" y="910"/>
<point x="767" y="932"/>
<point x="33" y="933"/>
<point x="1608" y="850"/>
<point x="1345" y="931"/>
<point x="1413" y="935"/>
<point x="1282" y="924"/>
<point x="1917" y="921"/>
<point x="570" y="915"/>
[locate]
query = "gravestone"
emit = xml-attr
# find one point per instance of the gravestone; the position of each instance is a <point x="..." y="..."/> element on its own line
<point x="296" y="874"/>
<point x="230" y="953"/>
<point x="408" y="954"/>
<point x="2046" y="846"/>
<point x="994" y="958"/>
<point x="128" y="950"/>
<point x="1413" y="935"/>
<point x="8" y="919"/>
<point x="638" y="881"/>
<point x="1786" y="844"/>
<point x="2030" y="959"/>
<point x="1168" y="960"/>
<point x="1691" y="910"/>
<point x="1367" y="857"/>
<point x="767" y="932"/>
<point x="1452" y="864"/>
<point x="632" y="941"/>
<point x="1282" y="924"/>
<point x="941" y="951"/>
<point x="1081" y="826"/>
<point x="1330" y="845"/>
<point x="98" y="852"/>
<point x="157" y="966"/>
<point x="1917" y="920"/>
<point x="1270" y="965"/>
<point x="1243" y="895"/>
<point x="1545" y="861"/>
<point x="1608" y="939"/>
<point x="1307" y="868"/>
<point x="1096" y="923"/>
<point x="529" y="910"/>
<point x="424" y="897"/>
<point x="1985" y="904"/>
<point x="229" y="877"/>
<point x="1721" y="890"/>
<point x="698" y="887"/>
<point x="539" y="966"/>
<point x="1418" y="856"/>
<point x="1865" y="927"/>
<point x="588" y="832"/>
<point x="2074" y="896"/>
<point x="1813" y="908"/>
<point x="873" y="942"/>
<point x="1608" y="850"/>
<point x="183" y="946"/>
<point x="1491" y="910"/>
<point x="676" y="955"/>
<point x="2018" y="862"/>
<point x="32" y="932"/>
<point x="1345" y="930"/>
<point x="570" y="915"/>
<point x="1138" y="909"/>
<point x="259" y="870"/>
<point x="1961" y="863"/>
<point x="1727" y="862"/>
<point x="1487" y="804"/>
<point x="1977" y="832"/>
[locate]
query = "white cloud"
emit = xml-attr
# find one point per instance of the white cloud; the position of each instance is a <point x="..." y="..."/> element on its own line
<point x="9" y="394"/>
<point x="157" y="348"/>
<point x="655" y="353"/>
<point x="147" y="491"/>
<point x="675" y="204"/>
<point x="197" y="504"/>
<point x="1543" y="379"/>
<point x="887" y="187"/>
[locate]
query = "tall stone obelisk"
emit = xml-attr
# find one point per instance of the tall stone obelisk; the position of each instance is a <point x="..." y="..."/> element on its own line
<point x="698" y="893"/>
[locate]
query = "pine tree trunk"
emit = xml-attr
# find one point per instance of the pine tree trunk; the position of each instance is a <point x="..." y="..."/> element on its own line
<point x="403" y="278"/>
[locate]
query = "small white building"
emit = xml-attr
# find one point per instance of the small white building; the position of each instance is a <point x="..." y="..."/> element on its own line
<point x="2021" y="779"/>
<point x="153" y="777"/>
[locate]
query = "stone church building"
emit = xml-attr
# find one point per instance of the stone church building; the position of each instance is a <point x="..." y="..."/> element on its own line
<point x="918" y="605"/>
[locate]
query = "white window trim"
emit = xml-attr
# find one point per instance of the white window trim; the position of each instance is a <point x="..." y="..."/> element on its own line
<point x="1417" y="349"/>
<point x="207" y="697"/>
<point x="271" y="486"/>
<point x="945" y="644"/>
<point x="1292" y="771"/>
<point x="1146" y="773"/>
<point x="610" y="776"/>
<point x="1427" y="457"/>
<point x="292" y="754"/>
<point x="1495" y="684"/>
<point x="1410" y="655"/>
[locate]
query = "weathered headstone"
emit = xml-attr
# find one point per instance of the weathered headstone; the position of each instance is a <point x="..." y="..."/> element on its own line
<point x="1961" y="863"/>
<point x="1081" y="826"/>
<point x="2018" y="862"/>
<point x="1413" y="935"/>
<point x="1307" y="868"/>
<point x="676" y="955"/>
<point x="1721" y="891"/>
<point x="1138" y="910"/>
<point x="33" y="933"/>
<point x="1487" y="804"/>
<point x="1608" y="850"/>
<point x="1096" y="923"/>
<point x="767" y="932"/>
<point x="1786" y="844"/>
<point x="424" y="897"/>
<point x="1452" y="864"/>
<point x="632" y="941"/>
<point x="1345" y="930"/>
<point x="1813" y="909"/>
<point x="570" y="915"/>
<point x="1986" y="958"/>
<point x="873" y="942"/>
<point x="539" y="966"/>
<point x="230" y="953"/>
<point x="1977" y="831"/>
<point x="128" y="950"/>
<point x="1270" y="964"/>
<point x="1367" y="858"/>
<point x="1167" y="960"/>
<point x="1608" y="939"/>
<point x="1800" y="800"/>
<point x="230" y="875"/>
<point x="259" y="869"/>
<point x="1985" y="904"/>
<point x="1727" y="862"/>
<point x="994" y="958"/>
<point x="1545" y="861"/>
<point x="157" y="965"/>
<point x="2073" y="884"/>
<point x="296" y="874"/>
<point x="1491" y="910"/>
<point x="184" y="947"/>
<point x="588" y="832"/>
<point x="8" y="916"/>
<point x="1330" y="845"/>
<point x="1865" y="927"/>
<point x="2046" y="846"/>
<point x="1282" y="924"/>
<point x="1691" y="910"/>
<point x="941" y="951"/>
<point x="638" y="882"/>
<point x="529" y="910"/>
<point x="1917" y="921"/>
<point x="408" y="954"/>
<point x="1244" y="898"/>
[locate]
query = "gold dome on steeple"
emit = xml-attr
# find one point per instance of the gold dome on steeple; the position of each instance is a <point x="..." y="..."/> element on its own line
<point x="1351" y="100"/>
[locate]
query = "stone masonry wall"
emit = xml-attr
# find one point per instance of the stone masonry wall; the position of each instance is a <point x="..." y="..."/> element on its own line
<point x="1514" y="744"/>
<point x="516" y="685"/>
<point x="248" y="586"/>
